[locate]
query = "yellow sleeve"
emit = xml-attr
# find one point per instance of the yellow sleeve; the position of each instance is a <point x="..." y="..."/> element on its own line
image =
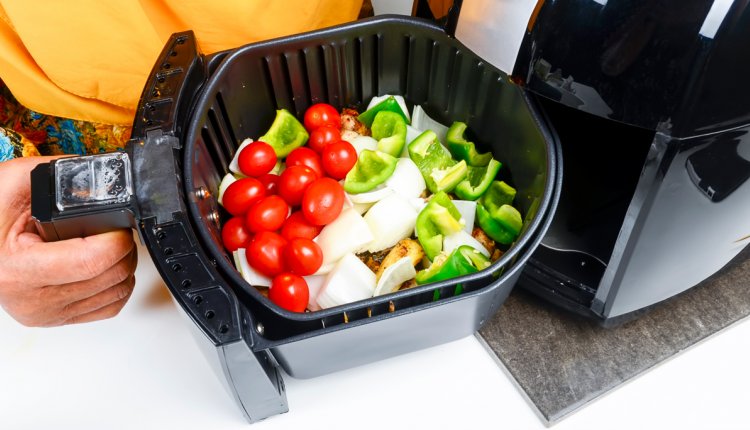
<point x="89" y="59"/>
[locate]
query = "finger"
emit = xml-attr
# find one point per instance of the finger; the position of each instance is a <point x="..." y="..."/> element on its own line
<point x="104" y="313"/>
<point x="68" y="293"/>
<point x="116" y="294"/>
<point x="73" y="260"/>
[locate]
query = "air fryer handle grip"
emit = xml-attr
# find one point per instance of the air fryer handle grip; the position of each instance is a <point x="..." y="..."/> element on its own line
<point x="444" y="12"/>
<point x="174" y="81"/>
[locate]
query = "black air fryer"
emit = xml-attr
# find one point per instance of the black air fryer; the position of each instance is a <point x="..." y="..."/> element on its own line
<point x="194" y="112"/>
<point x="652" y="107"/>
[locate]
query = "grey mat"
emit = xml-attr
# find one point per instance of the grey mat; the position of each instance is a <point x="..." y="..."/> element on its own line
<point x="563" y="362"/>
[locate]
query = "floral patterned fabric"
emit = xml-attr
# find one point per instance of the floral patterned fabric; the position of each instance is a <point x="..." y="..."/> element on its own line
<point x="24" y="133"/>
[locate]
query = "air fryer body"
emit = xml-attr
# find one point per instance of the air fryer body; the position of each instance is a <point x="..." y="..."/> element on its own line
<point x="651" y="105"/>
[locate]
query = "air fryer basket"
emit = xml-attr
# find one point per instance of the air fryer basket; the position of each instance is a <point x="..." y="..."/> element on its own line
<point x="195" y="110"/>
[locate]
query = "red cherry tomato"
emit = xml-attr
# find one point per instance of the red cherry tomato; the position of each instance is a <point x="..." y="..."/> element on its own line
<point x="303" y="256"/>
<point x="298" y="226"/>
<point x="267" y="214"/>
<point x="241" y="194"/>
<point x="305" y="157"/>
<point x="235" y="235"/>
<point x="265" y="253"/>
<point x="293" y="182"/>
<point x="271" y="182"/>
<point x="257" y="158"/>
<point x="322" y="137"/>
<point x="290" y="292"/>
<point x="338" y="159"/>
<point x="323" y="201"/>
<point x="321" y="114"/>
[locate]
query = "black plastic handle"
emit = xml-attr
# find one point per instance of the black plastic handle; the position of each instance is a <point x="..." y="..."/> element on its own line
<point x="445" y="13"/>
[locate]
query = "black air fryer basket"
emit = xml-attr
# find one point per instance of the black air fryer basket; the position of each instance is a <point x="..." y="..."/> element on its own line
<point x="194" y="112"/>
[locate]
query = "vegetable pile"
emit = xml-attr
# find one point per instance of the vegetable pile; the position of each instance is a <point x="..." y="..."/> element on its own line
<point x="347" y="206"/>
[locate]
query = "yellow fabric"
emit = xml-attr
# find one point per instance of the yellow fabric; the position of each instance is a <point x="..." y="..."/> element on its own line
<point x="89" y="59"/>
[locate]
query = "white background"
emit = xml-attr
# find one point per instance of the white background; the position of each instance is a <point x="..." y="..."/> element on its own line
<point x="143" y="370"/>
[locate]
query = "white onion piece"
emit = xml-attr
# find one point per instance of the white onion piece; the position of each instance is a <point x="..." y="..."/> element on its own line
<point x="395" y="275"/>
<point x="423" y="122"/>
<point x="364" y="142"/>
<point x="361" y="208"/>
<point x="351" y="280"/>
<point x="225" y="183"/>
<point x="406" y="179"/>
<point x="314" y="284"/>
<point x="346" y="234"/>
<point x="418" y="203"/>
<point x="252" y="276"/>
<point x="453" y="241"/>
<point x="234" y="165"/>
<point x="349" y="135"/>
<point x="399" y="99"/>
<point x="377" y="194"/>
<point x="390" y="220"/>
<point x="468" y="211"/>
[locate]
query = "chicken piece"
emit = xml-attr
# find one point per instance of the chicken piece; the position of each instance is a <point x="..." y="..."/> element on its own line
<point x="485" y="240"/>
<point x="373" y="260"/>
<point x="350" y="122"/>
<point x="411" y="283"/>
<point x="404" y="248"/>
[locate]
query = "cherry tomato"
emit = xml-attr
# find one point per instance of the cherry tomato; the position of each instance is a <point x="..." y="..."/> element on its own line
<point x="322" y="137"/>
<point x="323" y="201"/>
<point x="298" y="226"/>
<point x="293" y="182"/>
<point x="303" y="256"/>
<point x="257" y="158"/>
<point x="305" y="157"/>
<point x="271" y="182"/>
<point x="321" y="114"/>
<point x="267" y="214"/>
<point x="241" y="194"/>
<point x="290" y="292"/>
<point x="235" y="235"/>
<point x="265" y="253"/>
<point x="338" y="158"/>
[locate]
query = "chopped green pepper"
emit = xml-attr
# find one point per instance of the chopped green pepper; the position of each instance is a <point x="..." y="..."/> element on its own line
<point x="389" y="129"/>
<point x="440" y="217"/>
<point x="462" y="149"/>
<point x="495" y="215"/>
<point x="371" y="169"/>
<point x="498" y="193"/>
<point x="478" y="180"/>
<point x="390" y="104"/>
<point x="462" y="261"/>
<point x="286" y="134"/>
<point x="439" y="170"/>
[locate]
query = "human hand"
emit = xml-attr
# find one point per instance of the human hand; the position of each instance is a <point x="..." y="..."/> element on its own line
<point x="66" y="282"/>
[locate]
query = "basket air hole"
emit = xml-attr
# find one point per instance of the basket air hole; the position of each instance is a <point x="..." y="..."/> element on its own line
<point x="181" y="40"/>
<point x="173" y="54"/>
<point x="223" y="328"/>
<point x="166" y="66"/>
<point x="198" y="300"/>
<point x="186" y="283"/>
<point x="177" y="267"/>
<point x="161" y="235"/>
<point x="209" y="314"/>
<point x="168" y="251"/>
<point x="161" y="79"/>
<point x="152" y="108"/>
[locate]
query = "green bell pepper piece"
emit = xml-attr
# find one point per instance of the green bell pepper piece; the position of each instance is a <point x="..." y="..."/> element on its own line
<point x="462" y="261"/>
<point x="286" y="134"/>
<point x="371" y="169"/>
<point x="390" y="104"/>
<point x="462" y="149"/>
<point x="389" y="129"/>
<point x="498" y="193"/>
<point x="439" y="218"/>
<point x="439" y="170"/>
<point x="503" y="225"/>
<point x="478" y="180"/>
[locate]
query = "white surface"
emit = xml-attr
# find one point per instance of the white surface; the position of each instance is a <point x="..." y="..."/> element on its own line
<point x="142" y="370"/>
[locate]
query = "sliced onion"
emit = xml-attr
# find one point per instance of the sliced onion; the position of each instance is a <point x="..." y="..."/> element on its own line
<point x="406" y="180"/>
<point x="453" y="241"/>
<point x="390" y="220"/>
<point x="346" y="234"/>
<point x="349" y="135"/>
<point x="361" y="208"/>
<point x="252" y="276"/>
<point x="379" y="193"/>
<point x="468" y="211"/>
<point x="234" y="165"/>
<point x="225" y="183"/>
<point x="351" y="280"/>
<point x="395" y="275"/>
<point x="423" y="122"/>
<point x="314" y="284"/>
<point x="364" y="142"/>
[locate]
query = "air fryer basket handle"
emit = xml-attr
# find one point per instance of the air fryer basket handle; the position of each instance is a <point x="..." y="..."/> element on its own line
<point x="445" y="13"/>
